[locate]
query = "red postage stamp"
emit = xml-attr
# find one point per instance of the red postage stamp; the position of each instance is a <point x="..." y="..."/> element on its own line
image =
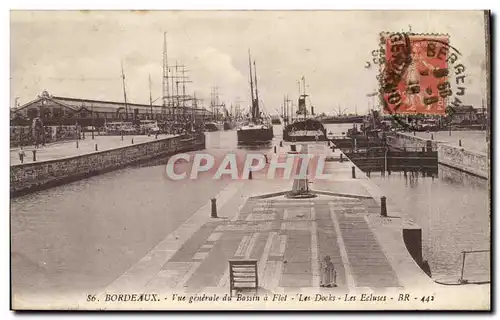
<point x="415" y="74"/>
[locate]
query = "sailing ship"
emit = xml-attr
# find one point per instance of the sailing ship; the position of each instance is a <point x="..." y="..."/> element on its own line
<point x="228" y="122"/>
<point x="222" y="119"/>
<point x="258" y="129"/>
<point x="307" y="128"/>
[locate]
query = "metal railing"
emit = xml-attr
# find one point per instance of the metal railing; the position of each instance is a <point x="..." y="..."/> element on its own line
<point x="462" y="280"/>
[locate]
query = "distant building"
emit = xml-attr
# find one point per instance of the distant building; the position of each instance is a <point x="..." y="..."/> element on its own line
<point x="464" y="114"/>
<point x="53" y="110"/>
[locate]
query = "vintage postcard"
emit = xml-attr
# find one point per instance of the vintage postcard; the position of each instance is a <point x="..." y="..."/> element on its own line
<point x="250" y="160"/>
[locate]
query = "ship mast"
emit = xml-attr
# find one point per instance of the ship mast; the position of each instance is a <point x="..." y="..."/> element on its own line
<point x="289" y="110"/>
<point x="285" y="116"/>
<point x="302" y="108"/>
<point x="194" y="106"/>
<point x="304" y="95"/>
<point x="304" y="85"/>
<point x="251" y="84"/>
<point x="150" y="97"/>
<point x="165" y="84"/>
<point x="124" y="93"/>
<point x="257" y="111"/>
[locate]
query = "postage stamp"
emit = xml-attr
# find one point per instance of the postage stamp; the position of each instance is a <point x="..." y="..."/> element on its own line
<point x="420" y="74"/>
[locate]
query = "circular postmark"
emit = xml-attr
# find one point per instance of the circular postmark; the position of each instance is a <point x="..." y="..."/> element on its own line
<point x="420" y="75"/>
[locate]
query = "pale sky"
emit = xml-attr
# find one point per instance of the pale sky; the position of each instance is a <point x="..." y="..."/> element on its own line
<point x="54" y="50"/>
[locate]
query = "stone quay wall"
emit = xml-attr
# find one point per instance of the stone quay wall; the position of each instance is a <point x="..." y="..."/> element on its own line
<point x="409" y="142"/>
<point x="469" y="161"/>
<point x="31" y="177"/>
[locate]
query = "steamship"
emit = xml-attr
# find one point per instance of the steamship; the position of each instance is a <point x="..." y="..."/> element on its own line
<point x="258" y="129"/>
<point x="306" y="128"/>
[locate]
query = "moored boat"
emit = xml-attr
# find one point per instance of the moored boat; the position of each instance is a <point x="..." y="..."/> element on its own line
<point x="212" y="126"/>
<point x="252" y="133"/>
<point x="306" y="129"/>
<point x="228" y="124"/>
<point x="258" y="129"/>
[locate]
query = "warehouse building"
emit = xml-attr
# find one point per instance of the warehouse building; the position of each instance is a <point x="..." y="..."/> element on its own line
<point x="55" y="110"/>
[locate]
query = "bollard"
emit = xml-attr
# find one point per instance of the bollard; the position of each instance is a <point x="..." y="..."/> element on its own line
<point x="274" y="149"/>
<point x="432" y="136"/>
<point x="96" y="147"/>
<point x="383" y="206"/>
<point x="122" y="136"/>
<point x="214" y="208"/>
<point x="341" y="157"/>
<point x="281" y="143"/>
<point x="460" y="142"/>
<point x="414" y="133"/>
<point x="77" y="144"/>
<point x="34" y="155"/>
<point x="132" y="140"/>
<point x="353" y="172"/>
<point x="250" y="175"/>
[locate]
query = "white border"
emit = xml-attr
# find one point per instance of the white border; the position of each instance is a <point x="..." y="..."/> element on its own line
<point x="185" y="4"/>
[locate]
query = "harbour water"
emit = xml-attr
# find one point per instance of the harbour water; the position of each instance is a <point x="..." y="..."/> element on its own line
<point x="79" y="236"/>
<point x="453" y="213"/>
<point x="452" y="208"/>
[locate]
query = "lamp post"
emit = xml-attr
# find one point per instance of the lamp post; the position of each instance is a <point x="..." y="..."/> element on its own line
<point x="77" y="134"/>
<point x="385" y="159"/>
<point x="92" y="122"/>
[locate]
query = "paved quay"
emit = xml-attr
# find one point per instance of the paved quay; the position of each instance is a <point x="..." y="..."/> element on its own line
<point x="474" y="140"/>
<point x="288" y="237"/>
<point x="65" y="149"/>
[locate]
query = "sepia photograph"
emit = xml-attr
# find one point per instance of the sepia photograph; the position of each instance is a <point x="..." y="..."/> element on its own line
<point x="250" y="160"/>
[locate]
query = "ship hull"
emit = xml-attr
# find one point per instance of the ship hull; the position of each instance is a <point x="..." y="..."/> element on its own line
<point x="211" y="127"/>
<point x="342" y="120"/>
<point x="255" y="136"/>
<point x="228" y="125"/>
<point x="308" y="138"/>
<point x="304" y="131"/>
